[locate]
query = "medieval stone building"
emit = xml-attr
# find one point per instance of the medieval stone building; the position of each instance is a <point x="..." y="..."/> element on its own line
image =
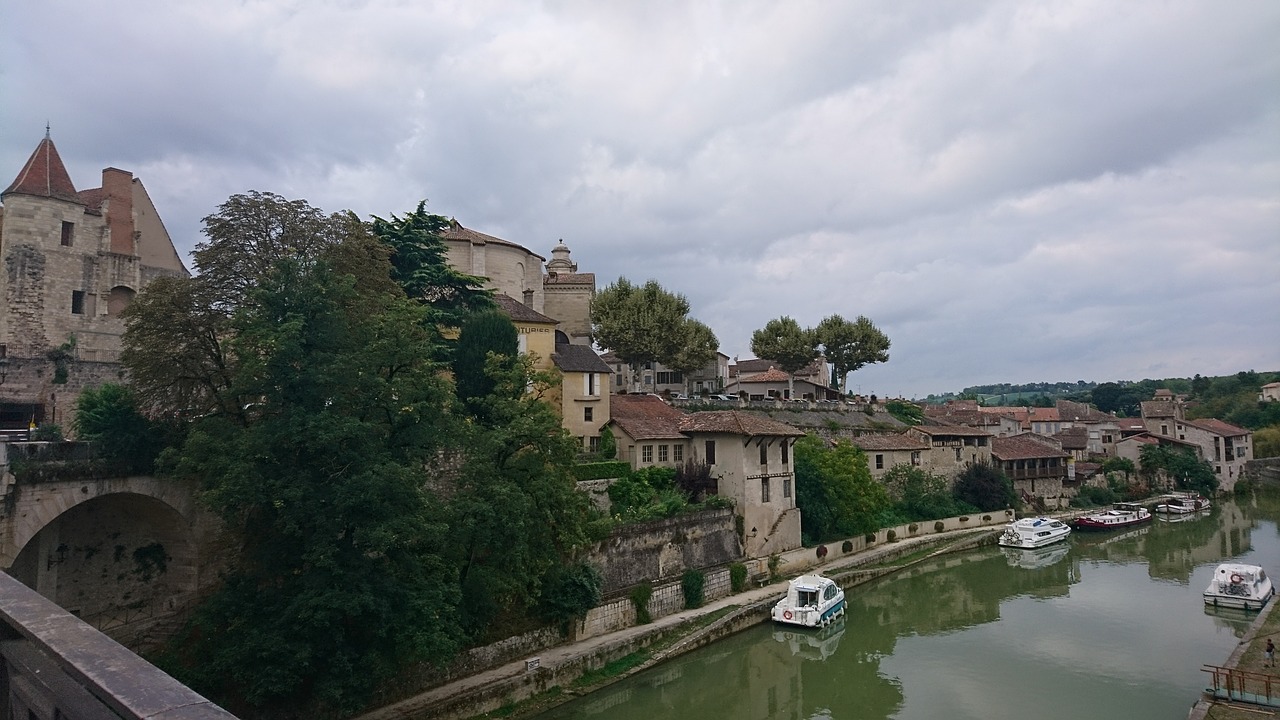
<point x="72" y="261"/>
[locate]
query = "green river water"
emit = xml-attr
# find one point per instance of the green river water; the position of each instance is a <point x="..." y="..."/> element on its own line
<point x="1108" y="625"/>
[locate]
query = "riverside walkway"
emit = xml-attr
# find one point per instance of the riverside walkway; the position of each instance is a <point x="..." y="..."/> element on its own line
<point x="539" y="681"/>
<point x="1244" y="687"/>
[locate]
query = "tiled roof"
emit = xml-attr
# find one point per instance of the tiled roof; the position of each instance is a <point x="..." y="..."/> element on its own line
<point x="645" y="417"/>
<point x="1074" y="438"/>
<point x="1217" y="427"/>
<point x="519" y="312"/>
<point x="1158" y="408"/>
<point x="1025" y="447"/>
<point x="578" y="358"/>
<point x="455" y="231"/>
<point x="560" y="278"/>
<point x="44" y="175"/>
<point x="1131" y="424"/>
<point x="1045" y="415"/>
<point x="735" y="423"/>
<point x="771" y="375"/>
<point x="895" y="441"/>
<point x="952" y="430"/>
<point x="1081" y="412"/>
<point x="1144" y="438"/>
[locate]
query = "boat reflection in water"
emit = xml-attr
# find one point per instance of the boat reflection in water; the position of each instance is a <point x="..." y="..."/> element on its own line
<point x="1184" y="517"/>
<point x="818" y="644"/>
<point x="1233" y="620"/>
<point x="1032" y="558"/>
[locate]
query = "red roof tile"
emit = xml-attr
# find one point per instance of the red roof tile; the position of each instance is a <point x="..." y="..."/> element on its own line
<point x="735" y="422"/>
<point x="1025" y="447"/>
<point x="44" y="175"/>
<point x="645" y="417"/>
<point x="890" y="442"/>
<point x="1217" y="427"/>
<point x="519" y="312"/>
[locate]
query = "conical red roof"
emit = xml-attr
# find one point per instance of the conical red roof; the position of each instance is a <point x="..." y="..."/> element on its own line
<point x="44" y="175"/>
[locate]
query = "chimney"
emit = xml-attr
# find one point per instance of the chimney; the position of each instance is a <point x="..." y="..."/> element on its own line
<point x="117" y="186"/>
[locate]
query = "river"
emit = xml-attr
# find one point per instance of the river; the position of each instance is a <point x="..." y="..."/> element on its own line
<point x="1107" y="625"/>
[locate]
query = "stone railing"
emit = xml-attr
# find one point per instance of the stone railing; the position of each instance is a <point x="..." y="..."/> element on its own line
<point x="56" y="666"/>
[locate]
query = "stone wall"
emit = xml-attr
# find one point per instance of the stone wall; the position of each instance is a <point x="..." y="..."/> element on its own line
<point x="1265" y="470"/>
<point x="665" y="600"/>
<point x="663" y="549"/>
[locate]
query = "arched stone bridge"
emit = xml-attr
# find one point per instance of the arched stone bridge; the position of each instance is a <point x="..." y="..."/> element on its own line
<point x="118" y="552"/>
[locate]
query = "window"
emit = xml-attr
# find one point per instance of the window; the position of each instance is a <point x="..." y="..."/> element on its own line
<point x="879" y="462"/>
<point x="77" y="302"/>
<point x="764" y="490"/>
<point x="958" y="454"/>
<point x="621" y="382"/>
<point x="68" y="233"/>
<point x="764" y="454"/>
<point x="646" y="453"/>
<point x="588" y="413"/>
<point x="677" y="453"/>
<point x="662" y="453"/>
<point x="915" y="457"/>
<point x="711" y="452"/>
<point x="786" y="452"/>
<point x="593" y="443"/>
<point x="786" y="487"/>
<point x="590" y="387"/>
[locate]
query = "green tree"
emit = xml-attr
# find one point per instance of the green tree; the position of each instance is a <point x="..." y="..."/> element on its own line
<point x="918" y="494"/>
<point x="1178" y="465"/>
<point x="642" y="324"/>
<point x="1119" y="465"/>
<point x="983" y="486"/>
<point x="849" y="346"/>
<point x="483" y="333"/>
<point x="1266" y="442"/>
<point x="786" y="343"/>
<point x="835" y="492"/>
<point x="108" y="416"/>
<point x="698" y="349"/>
<point x="419" y="263"/>
<point x="339" y="579"/>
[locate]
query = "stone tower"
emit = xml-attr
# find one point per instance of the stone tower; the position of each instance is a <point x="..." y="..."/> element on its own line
<point x="567" y="295"/>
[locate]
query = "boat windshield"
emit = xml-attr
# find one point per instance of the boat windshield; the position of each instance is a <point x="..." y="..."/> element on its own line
<point x="807" y="597"/>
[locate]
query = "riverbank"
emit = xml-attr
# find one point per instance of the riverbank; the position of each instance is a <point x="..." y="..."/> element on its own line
<point x="555" y="675"/>
<point x="1248" y="657"/>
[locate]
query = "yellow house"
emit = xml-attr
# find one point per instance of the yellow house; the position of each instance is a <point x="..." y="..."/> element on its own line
<point x="583" y="391"/>
<point x="537" y="332"/>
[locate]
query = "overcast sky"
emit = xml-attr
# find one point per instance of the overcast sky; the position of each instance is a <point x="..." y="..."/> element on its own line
<point x="1011" y="191"/>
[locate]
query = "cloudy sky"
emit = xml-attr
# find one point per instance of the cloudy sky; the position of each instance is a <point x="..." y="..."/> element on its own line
<point x="1012" y="191"/>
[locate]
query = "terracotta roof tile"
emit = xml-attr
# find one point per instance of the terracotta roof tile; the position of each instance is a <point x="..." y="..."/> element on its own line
<point x="1025" y="447"/>
<point x="560" y="278"/>
<point x="890" y="442"/>
<point x="735" y="422"/>
<point x="1217" y="427"/>
<point x="953" y="430"/>
<point x="771" y="375"/>
<point x="44" y="175"/>
<point x="645" y="417"/>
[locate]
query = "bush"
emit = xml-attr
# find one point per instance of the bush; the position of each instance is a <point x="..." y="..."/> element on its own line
<point x="601" y="470"/>
<point x="47" y="433"/>
<point x="912" y="528"/>
<point x="691" y="583"/>
<point x="737" y="577"/>
<point x="847" y="546"/>
<point x="640" y="595"/>
<point x="891" y="535"/>
<point x="984" y="487"/>
<point x="869" y="537"/>
<point x="940" y="526"/>
<point x="1090" y="496"/>
<point x="568" y="593"/>
<point x="774" y="562"/>
<point x="986" y="518"/>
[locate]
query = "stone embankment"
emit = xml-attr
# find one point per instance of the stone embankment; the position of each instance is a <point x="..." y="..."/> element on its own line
<point x="528" y="680"/>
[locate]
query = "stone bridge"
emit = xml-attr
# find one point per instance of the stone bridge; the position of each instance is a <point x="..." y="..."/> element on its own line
<point x="119" y="552"/>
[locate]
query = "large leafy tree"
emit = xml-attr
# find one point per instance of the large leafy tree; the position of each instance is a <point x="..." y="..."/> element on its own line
<point x="643" y="323"/>
<point x="483" y="333"/>
<point x="849" y="346"/>
<point x="786" y="343"/>
<point x="1178" y="465"/>
<point x="109" y="417"/>
<point x="835" y="492"/>
<point x="918" y="494"/>
<point x="340" y="576"/>
<point x="698" y="349"/>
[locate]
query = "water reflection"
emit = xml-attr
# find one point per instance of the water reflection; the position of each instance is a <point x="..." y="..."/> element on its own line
<point x="1114" y="618"/>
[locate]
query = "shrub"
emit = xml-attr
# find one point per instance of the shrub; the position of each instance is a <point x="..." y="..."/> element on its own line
<point x="964" y="518"/>
<point x="640" y="595"/>
<point x="608" y="444"/>
<point x="737" y="577"/>
<point x="891" y="535"/>
<point x="847" y="546"/>
<point x="940" y="526"/>
<point x="869" y="537"/>
<point x="568" y="593"/>
<point x="821" y="552"/>
<point x="47" y="433"/>
<point x="986" y="518"/>
<point x="601" y="470"/>
<point x="691" y="583"/>
<point x="774" y="562"/>
<point x="912" y="528"/>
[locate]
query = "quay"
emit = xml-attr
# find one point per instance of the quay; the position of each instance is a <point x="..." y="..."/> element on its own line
<point x="1244" y="687"/>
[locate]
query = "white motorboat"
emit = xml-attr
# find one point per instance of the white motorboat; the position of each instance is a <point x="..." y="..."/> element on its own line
<point x="1033" y="532"/>
<point x="1239" y="586"/>
<point x="1182" y="503"/>
<point x="811" y="601"/>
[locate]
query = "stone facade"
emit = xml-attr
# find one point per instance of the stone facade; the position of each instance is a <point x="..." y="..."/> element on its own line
<point x="663" y="549"/>
<point x="72" y="261"/>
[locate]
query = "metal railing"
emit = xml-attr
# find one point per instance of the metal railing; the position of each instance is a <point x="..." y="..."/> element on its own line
<point x="1243" y="686"/>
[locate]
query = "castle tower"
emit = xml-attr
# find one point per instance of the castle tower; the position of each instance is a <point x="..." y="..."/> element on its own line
<point x="567" y="295"/>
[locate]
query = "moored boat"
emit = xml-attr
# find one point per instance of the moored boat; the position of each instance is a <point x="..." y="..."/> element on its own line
<point x="1181" y="503"/>
<point x="1120" y="516"/>
<point x="1033" y="532"/>
<point x="1234" y="585"/>
<point x="811" y="601"/>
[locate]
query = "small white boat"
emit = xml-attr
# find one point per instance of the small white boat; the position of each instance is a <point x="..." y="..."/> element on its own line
<point x="811" y="601"/>
<point x="1239" y="586"/>
<point x="1033" y="532"/>
<point x="1122" y="515"/>
<point x="1182" y="503"/>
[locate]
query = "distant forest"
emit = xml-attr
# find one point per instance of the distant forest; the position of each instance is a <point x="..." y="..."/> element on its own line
<point x="1232" y="398"/>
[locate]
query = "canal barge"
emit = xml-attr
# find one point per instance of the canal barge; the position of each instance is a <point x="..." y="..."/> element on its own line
<point x="1122" y="515"/>
<point x="1239" y="586"/>
<point x="811" y="601"/>
<point x="1182" y="503"/>
<point x="1033" y="532"/>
